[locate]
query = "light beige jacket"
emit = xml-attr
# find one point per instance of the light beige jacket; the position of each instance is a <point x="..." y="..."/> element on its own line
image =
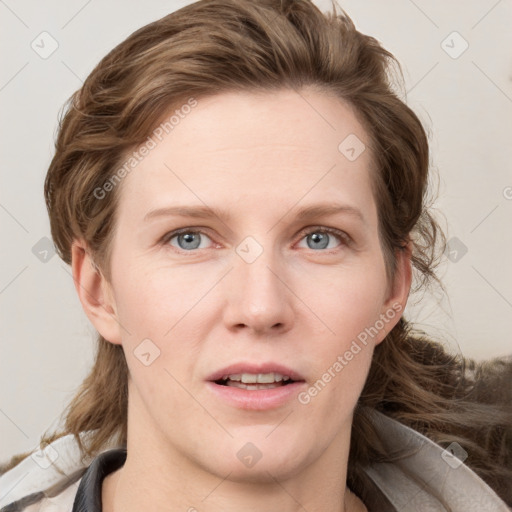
<point x="427" y="479"/>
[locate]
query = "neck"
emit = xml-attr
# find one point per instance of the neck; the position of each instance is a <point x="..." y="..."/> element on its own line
<point x="119" y="494"/>
<point x="161" y="475"/>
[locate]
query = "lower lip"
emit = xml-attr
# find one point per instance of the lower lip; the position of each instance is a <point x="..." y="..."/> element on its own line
<point x="258" y="399"/>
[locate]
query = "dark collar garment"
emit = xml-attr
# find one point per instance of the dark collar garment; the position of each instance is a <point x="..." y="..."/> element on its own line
<point x="88" y="495"/>
<point x="423" y="477"/>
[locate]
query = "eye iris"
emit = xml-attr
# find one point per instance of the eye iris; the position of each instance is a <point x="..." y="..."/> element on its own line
<point x="189" y="238"/>
<point x="320" y="237"/>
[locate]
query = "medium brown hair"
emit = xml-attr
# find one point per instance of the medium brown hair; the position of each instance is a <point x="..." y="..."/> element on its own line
<point x="215" y="46"/>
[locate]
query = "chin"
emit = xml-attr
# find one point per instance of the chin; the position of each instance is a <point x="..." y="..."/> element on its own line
<point x="257" y="458"/>
<point x="263" y="472"/>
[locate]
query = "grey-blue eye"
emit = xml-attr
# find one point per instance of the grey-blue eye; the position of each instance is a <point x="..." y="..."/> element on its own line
<point x="320" y="238"/>
<point x="188" y="240"/>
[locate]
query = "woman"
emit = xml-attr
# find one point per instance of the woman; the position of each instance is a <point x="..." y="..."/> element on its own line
<point x="241" y="196"/>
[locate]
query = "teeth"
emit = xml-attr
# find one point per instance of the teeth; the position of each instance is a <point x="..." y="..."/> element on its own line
<point x="253" y="387"/>
<point x="260" y="378"/>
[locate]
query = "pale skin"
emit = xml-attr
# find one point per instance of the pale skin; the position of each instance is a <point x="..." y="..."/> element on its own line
<point x="263" y="158"/>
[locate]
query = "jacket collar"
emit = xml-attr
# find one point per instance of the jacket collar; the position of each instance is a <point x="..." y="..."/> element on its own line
<point x="88" y="495"/>
<point x="423" y="475"/>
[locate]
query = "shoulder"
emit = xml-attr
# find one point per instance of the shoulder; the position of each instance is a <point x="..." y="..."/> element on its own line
<point x="47" y="480"/>
<point x="62" y="502"/>
<point x="424" y="476"/>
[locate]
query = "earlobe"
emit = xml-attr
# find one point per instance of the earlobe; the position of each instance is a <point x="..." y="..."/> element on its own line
<point x="396" y="301"/>
<point x="94" y="292"/>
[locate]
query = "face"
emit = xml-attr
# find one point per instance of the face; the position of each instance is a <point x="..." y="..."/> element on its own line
<point x="272" y="282"/>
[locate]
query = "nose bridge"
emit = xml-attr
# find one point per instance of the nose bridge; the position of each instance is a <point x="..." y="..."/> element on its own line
<point x="258" y="296"/>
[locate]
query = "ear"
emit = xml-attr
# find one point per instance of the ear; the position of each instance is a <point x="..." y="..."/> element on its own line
<point x="398" y="292"/>
<point x="95" y="293"/>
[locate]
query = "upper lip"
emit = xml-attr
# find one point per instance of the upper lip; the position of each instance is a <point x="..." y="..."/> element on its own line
<point x="255" y="368"/>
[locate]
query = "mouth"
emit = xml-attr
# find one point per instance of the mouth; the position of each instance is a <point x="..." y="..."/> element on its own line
<point x="252" y="382"/>
<point x="255" y="386"/>
<point x="250" y="375"/>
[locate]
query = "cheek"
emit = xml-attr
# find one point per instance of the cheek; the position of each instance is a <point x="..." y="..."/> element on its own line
<point x="159" y="347"/>
<point x="350" y="310"/>
<point x="149" y="302"/>
<point x="349" y="301"/>
<point x="159" y="323"/>
<point x="341" y="366"/>
<point x="347" y="348"/>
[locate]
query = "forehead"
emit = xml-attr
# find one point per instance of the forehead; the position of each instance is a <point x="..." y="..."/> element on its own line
<point x="261" y="147"/>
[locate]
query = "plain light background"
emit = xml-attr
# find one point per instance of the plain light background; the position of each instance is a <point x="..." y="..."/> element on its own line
<point x="464" y="101"/>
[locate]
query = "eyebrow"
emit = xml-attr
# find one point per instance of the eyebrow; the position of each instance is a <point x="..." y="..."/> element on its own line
<point x="204" y="212"/>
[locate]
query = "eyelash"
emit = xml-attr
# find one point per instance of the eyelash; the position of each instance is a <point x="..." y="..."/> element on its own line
<point x="341" y="235"/>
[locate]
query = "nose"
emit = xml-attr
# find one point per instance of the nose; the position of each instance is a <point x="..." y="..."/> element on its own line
<point x="258" y="296"/>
